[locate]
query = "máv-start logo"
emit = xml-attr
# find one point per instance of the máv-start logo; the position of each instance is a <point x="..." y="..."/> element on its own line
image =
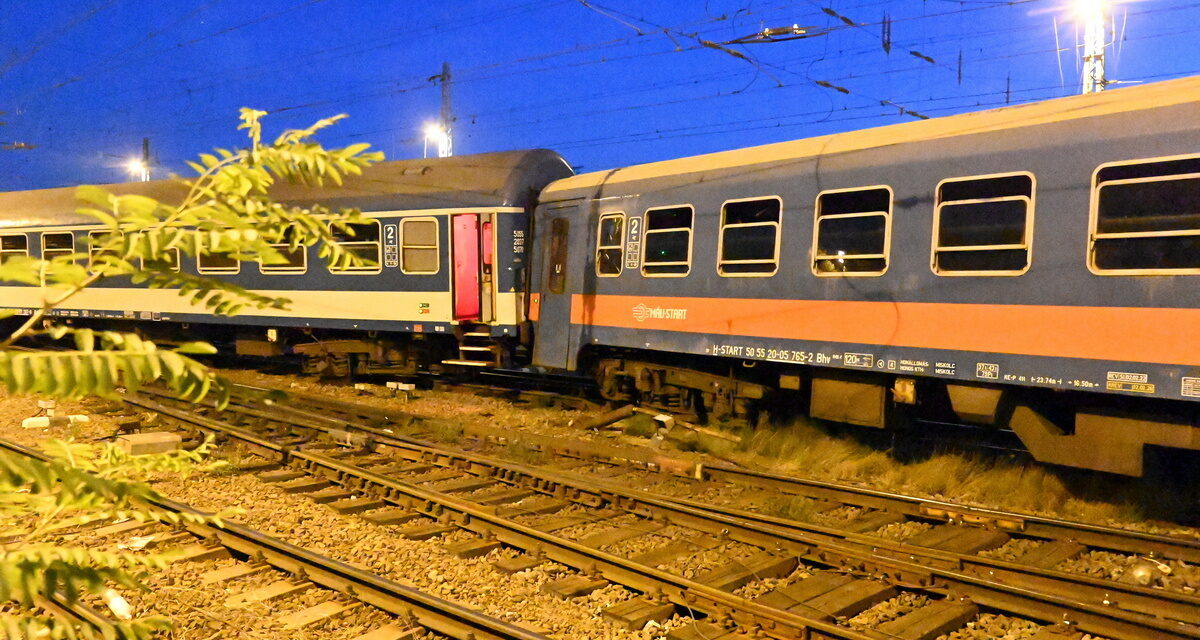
<point x="641" y="312"/>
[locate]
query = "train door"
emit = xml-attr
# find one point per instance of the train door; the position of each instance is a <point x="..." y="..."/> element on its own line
<point x="465" y="247"/>
<point x="553" y="346"/>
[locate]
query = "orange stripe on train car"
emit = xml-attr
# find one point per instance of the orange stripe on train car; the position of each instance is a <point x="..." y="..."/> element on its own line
<point x="1128" y="334"/>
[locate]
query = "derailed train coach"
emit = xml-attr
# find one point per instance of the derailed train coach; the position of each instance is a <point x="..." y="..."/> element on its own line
<point x="1033" y="267"/>
<point x="445" y="283"/>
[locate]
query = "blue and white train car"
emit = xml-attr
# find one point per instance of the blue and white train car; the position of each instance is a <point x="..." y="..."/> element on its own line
<point x="447" y="243"/>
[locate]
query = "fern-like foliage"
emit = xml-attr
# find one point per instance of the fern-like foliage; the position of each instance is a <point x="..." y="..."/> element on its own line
<point x="32" y="626"/>
<point x="226" y="211"/>
<point x="79" y="484"/>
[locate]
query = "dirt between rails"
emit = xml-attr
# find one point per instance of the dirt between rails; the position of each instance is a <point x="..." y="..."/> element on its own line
<point x="805" y="451"/>
<point x="956" y="478"/>
<point x="517" y="598"/>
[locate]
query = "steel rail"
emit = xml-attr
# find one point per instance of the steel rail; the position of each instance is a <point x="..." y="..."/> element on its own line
<point x="1091" y="535"/>
<point x="483" y="520"/>
<point x="431" y="612"/>
<point x="1088" y="602"/>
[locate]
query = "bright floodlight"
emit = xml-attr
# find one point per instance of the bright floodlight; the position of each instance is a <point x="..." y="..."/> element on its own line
<point x="434" y="131"/>
<point x="1089" y="8"/>
<point x="439" y="137"/>
<point x="135" y="167"/>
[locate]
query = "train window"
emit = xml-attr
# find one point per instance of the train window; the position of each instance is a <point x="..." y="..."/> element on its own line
<point x="168" y="259"/>
<point x="219" y="263"/>
<point x="983" y="226"/>
<point x="294" y="260"/>
<point x="419" y="245"/>
<point x="852" y="232"/>
<point x="749" y="241"/>
<point x="610" y="245"/>
<point x="1146" y="218"/>
<point x="12" y="246"/>
<point x="364" y="241"/>
<point x="556" y="265"/>
<point x="57" y="245"/>
<point x="667" y="242"/>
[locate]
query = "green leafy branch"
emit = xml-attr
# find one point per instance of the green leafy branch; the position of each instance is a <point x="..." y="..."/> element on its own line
<point x="79" y="483"/>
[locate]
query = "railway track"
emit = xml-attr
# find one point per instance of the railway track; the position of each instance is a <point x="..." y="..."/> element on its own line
<point x="850" y="570"/>
<point x="413" y="609"/>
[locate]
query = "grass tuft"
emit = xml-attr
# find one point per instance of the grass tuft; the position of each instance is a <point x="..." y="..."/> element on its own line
<point x="443" y="431"/>
<point x="639" y="425"/>
<point x="806" y="449"/>
<point x="518" y="451"/>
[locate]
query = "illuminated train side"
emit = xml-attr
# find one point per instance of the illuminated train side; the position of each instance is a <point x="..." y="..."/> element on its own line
<point x="446" y="281"/>
<point x="1032" y="267"/>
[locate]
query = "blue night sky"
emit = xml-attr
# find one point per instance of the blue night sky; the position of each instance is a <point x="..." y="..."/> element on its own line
<point x="619" y="83"/>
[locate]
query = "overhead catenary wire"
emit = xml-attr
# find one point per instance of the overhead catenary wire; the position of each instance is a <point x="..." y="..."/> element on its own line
<point x="356" y="95"/>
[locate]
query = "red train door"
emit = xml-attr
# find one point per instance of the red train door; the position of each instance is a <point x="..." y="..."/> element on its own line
<point x="464" y="229"/>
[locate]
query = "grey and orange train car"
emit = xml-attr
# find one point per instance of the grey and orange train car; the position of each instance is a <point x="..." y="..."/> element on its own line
<point x="1034" y="267"/>
<point x="446" y="278"/>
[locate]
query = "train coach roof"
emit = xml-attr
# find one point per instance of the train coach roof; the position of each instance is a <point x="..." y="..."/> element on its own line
<point x="503" y="179"/>
<point x="1159" y="94"/>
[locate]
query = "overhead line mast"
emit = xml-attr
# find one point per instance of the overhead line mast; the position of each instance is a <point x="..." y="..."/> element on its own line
<point x="1095" y="42"/>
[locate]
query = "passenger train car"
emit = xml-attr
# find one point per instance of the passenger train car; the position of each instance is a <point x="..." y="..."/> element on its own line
<point x="1031" y="267"/>
<point x="447" y="281"/>
<point x="1034" y="266"/>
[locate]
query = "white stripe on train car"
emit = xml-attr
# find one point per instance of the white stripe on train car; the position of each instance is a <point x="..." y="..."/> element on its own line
<point x="398" y="306"/>
<point x="392" y="306"/>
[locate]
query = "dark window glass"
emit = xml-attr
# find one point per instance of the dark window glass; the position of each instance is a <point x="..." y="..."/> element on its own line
<point x="1148" y="216"/>
<point x="669" y="218"/>
<point x="852" y="228"/>
<point x="1168" y="205"/>
<point x="610" y="244"/>
<point x="56" y="245"/>
<point x="612" y="231"/>
<point x="1181" y="252"/>
<point x="985" y="223"/>
<point x="364" y="232"/>
<point x="295" y="260"/>
<point x="556" y="265"/>
<point x="750" y="243"/>
<point x="982" y="225"/>
<point x="362" y="240"/>
<point x="668" y="241"/>
<point x="749" y="235"/>
<point x="217" y="263"/>
<point x="13" y="246"/>
<point x="865" y="200"/>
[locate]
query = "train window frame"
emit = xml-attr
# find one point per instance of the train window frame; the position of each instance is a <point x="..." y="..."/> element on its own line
<point x="175" y="262"/>
<point x="6" y="254"/>
<point x="647" y="232"/>
<point x="620" y="246"/>
<point x="58" y="252"/>
<point x="778" y="224"/>
<point x="285" y="269"/>
<point x="365" y="270"/>
<point x="887" y="234"/>
<point x="91" y="245"/>
<point x="203" y="270"/>
<point x="1026" y="245"/>
<point x="1094" y="218"/>
<point x="436" y="246"/>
